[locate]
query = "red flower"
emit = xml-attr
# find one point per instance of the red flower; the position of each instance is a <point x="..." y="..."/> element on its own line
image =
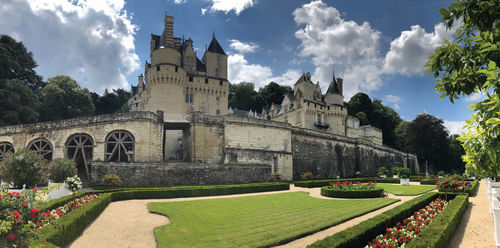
<point x="17" y="214"/>
<point x="12" y="236"/>
<point x="36" y="190"/>
<point x="34" y="212"/>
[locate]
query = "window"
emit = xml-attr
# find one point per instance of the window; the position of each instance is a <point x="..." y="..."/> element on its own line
<point x="299" y="118"/>
<point x="217" y="99"/>
<point x="80" y="148"/>
<point x="176" y="69"/>
<point x="319" y="119"/>
<point x="286" y="119"/>
<point x="218" y="112"/>
<point x="5" y="147"/>
<point x="190" y="79"/>
<point x="299" y="104"/>
<point x="119" y="147"/>
<point x="157" y="68"/>
<point x="286" y="109"/>
<point x="189" y="98"/>
<point x="137" y="105"/>
<point x="41" y="147"/>
<point x="221" y="82"/>
<point x="206" y="80"/>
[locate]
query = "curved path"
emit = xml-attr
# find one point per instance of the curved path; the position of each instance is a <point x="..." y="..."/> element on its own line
<point x="130" y="224"/>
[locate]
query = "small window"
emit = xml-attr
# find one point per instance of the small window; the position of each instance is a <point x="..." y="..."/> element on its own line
<point x="190" y="79"/>
<point x="218" y="112"/>
<point x="319" y="119"/>
<point x="299" y="117"/>
<point x="157" y="68"/>
<point x="176" y="69"/>
<point x="189" y="98"/>
<point x="286" y="119"/>
<point x="206" y="80"/>
<point x="137" y="105"/>
<point x="217" y="99"/>
<point x="221" y="82"/>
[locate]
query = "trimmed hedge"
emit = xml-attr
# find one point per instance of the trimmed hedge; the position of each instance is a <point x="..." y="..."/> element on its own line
<point x="326" y="182"/>
<point x="442" y="227"/>
<point x="65" y="230"/>
<point x="472" y="190"/>
<point x="370" y="193"/>
<point x="362" y="233"/>
<point x="440" y="230"/>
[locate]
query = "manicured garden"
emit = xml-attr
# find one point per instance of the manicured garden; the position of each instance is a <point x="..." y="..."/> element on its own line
<point x="406" y="189"/>
<point x="254" y="221"/>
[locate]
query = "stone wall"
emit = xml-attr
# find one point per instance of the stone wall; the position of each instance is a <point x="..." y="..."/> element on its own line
<point x="329" y="156"/>
<point x="167" y="174"/>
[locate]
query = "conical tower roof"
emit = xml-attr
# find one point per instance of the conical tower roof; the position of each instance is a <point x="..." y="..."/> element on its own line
<point x="215" y="46"/>
<point x="333" y="88"/>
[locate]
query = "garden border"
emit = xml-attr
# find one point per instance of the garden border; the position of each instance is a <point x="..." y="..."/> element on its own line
<point x="338" y="193"/>
<point x="326" y="182"/>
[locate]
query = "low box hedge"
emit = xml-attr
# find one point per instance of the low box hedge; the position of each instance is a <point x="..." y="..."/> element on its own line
<point x="472" y="189"/>
<point x="370" y="193"/>
<point x="359" y="235"/>
<point x="326" y="182"/>
<point x="438" y="233"/>
<point x="65" y="230"/>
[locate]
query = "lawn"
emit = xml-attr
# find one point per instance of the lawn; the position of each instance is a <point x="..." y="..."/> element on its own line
<point x="253" y="221"/>
<point x="405" y="190"/>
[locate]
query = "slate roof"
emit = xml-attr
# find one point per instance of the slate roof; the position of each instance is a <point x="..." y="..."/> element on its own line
<point x="215" y="46"/>
<point x="333" y="88"/>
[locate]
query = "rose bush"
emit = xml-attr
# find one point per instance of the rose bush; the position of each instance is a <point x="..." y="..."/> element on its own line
<point x="452" y="184"/>
<point x="73" y="183"/>
<point x="112" y="180"/>
<point x="62" y="169"/>
<point x="352" y="185"/>
<point x="24" y="167"/>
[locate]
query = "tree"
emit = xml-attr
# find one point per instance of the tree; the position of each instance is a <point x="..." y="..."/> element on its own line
<point x="470" y="64"/>
<point x="385" y="118"/>
<point x="17" y="63"/>
<point x="62" y="98"/>
<point x="243" y="96"/>
<point x="456" y="151"/>
<point x="401" y="133"/>
<point x="108" y="103"/>
<point x="428" y="138"/>
<point x="360" y="102"/>
<point x="18" y="103"/>
<point x="274" y="93"/>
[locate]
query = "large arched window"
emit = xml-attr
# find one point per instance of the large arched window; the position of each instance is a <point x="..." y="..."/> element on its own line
<point x="41" y="147"/>
<point x="80" y="148"/>
<point x="5" y="147"/>
<point x="119" y="147"/>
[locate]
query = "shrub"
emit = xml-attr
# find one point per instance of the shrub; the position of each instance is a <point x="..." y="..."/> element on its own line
<point x="73" y="184"/>
<point x="325" y="182"/>
<point x="307" y="176"/>
<point x="62" y="169"/>
<point x="382" y="171"/>
<point x="354" y="193"/>
<point x="472" y="189"/>
<point x="440" y="173"/>
<point x="395" y="170"/>
<point x="112" y="180"/>
<point x="275" y="177"/>
<point x="349" y="185"/>
<point x="404" y="173"/>
<point x="357" y="174"/>
<point x="451" y="183"/>
<point x="24" y="167"/>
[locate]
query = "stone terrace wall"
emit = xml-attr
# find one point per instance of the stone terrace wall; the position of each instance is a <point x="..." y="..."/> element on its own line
<point x="329" y="156"/>
<point x="167" y="174"/>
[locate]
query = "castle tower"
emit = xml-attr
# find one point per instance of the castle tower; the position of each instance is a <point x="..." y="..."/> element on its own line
<point x="215" y="60"/>
<point x="334" y="93"/>
<point x="167" y="37"/>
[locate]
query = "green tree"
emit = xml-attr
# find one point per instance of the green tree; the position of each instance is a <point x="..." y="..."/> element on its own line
<point x="62" y="98"/>
<point x="111" y="102"/>
<point x="360" y="102"/>
<point x="401" y="133"/>
<point x="363" y="119"/>
<point x="17" y="63"/>
<point x="274" y="93"/>
<point x="428" y="138"/>
<point x="18" y="103"/>
<point x="243" y="96"/>
<point x="456" y="151"/>
<point x="385" y="118"/>
<point x="470" y="64"/>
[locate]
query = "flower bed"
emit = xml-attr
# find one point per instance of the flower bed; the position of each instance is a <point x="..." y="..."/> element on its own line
<point x="325" y="182"/>
<point x="408" y="229"/>
<point x="352" y="190"/>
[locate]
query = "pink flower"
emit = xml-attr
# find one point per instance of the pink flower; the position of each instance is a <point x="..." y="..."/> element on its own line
<point x="34" y="213"/>
<point x="17" y="214"/>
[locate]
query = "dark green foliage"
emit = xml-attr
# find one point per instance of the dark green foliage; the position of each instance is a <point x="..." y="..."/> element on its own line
<point x="18" y="103"/>
<point x="401" y="133"/>
<point x="16" y="63"/>
<point x="429" y="181"/>
<point x="243" y="96"/>
<point x="369" y="193"/>
<point x="62" y="98"/>
<point x="274" y="93"/>
<point x="456" y="151"/>
<point x="404" y="173"/>
<point x="360" y="102"/>
<point x="472" y="189"/>
<point x="439" y="231"/>
<point x="109" y="103"/>
<point x="61" y="169"/>
<point x="359" y="235"/>
<point x="325" y="182"/>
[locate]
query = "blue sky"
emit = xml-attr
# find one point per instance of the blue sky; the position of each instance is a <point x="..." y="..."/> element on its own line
<point x="378" y="46"/>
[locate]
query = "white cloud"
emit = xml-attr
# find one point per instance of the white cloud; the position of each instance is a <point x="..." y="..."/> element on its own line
<point x="243" y="47"/>
<point x="229" y="5"/>
<point x="239" y="70"/>
<point x="91" y="41"/>
<point x="393" y="99"/>
<point x="180" y="1"/>
<point x="330" y="40"/>
<point x="455" y="127"/>
<point x="409" y="52"/>
<point x="475" y="97"/>
<point x="396" y="106"/>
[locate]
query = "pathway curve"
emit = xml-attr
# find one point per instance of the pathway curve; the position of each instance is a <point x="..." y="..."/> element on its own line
<point x="130" y="224"/>
<point x="476" y="228"/>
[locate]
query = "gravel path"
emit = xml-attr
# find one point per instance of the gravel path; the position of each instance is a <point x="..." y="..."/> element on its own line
<point x="476" y="228"/>
<point x="129" y="223"/>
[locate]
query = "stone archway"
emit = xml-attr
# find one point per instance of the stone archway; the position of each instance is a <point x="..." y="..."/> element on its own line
<point x="5" y="147"/>
<point x="80" y="148"/>
<point x="42" y="147"/>
<point x="119" y="147"/>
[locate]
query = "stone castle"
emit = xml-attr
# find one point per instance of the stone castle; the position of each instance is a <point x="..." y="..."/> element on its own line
<point x="180" y="131"/>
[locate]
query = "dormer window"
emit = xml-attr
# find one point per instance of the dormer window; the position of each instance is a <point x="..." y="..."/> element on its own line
<point x="190" y="79"/>
<point x="157" y="68"/>
<point x="206" y="80"/>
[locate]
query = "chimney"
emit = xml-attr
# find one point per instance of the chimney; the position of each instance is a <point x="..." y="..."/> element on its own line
<point x="339" y="85"/>
<point x="167" y="37"/>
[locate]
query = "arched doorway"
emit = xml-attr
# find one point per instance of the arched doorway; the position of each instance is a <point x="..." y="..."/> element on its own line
<point x="80" y="148"/>
<point x="41" y="147"/>
<point x="119" y="147"/>
<point x="5" y="147"/>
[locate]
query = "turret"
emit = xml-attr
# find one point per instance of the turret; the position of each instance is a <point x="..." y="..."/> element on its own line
<point x="215" y="60"/>
<point x="140" y="84"/>
<point x="189" y="57"/>
<point x="333" y="95"/>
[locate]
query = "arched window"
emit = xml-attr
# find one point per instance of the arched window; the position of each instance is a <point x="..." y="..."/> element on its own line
<point x="41" y="147"/>
<point x="80" y="148"/>
<point x="119" y="147"/>
<point x="5" y="147"/>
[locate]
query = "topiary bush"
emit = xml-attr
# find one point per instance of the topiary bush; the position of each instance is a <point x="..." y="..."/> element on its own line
<point x="382" y="171"/>
<point x="404" y="173"/>
<point x="62" y="169"/>
<point x="112" y="180"/>
<point x="395" y="170"/>
<point x="24" y="167"/>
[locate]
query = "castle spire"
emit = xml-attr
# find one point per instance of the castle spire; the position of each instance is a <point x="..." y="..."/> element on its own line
<point x="333" y="88"/>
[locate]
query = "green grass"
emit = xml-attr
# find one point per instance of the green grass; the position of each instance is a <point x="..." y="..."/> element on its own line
<point x="405" y="190"/>
<point x="253" y="221"/>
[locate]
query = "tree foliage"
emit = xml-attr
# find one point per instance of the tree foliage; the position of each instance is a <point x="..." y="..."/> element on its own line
<point x="428" y="138"/>
<point x="470" y="64"/>
<point x="274" y="93"/>
<point x="62" y="98"/>
<point x="18" y="103"/>
<point x="243" y="96"/>
<point x="111" y="102"/>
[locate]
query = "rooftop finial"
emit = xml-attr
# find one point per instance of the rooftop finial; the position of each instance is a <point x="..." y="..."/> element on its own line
<point x="213" y="34"/>
<point x="334" y="80"/>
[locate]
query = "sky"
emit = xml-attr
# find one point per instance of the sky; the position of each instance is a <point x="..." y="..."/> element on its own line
<point x="378" y="47"/>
